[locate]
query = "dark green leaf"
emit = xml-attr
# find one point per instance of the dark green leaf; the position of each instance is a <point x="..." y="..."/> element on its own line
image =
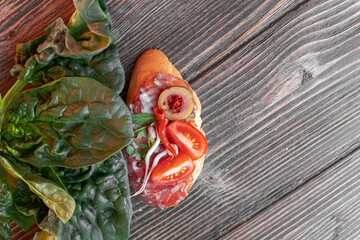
<point x="63" y="123"/>
<point x="77" y="174"/>
<point x="103" y="207"/>
<point x="26" y="201"/>
<point x="72" y="122"/>
<point x="5" y="206"/>
<point x="53" y="195"/>
<point x="25" y="222"/>
<point x="11" y="180"/>
<point x="30" y="204"/>
<point x="143" y="118"/>
<point x="83" y="48"/>
<point x="104" y="67"/>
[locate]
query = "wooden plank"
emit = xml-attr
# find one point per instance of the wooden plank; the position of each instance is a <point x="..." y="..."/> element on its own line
<point x="277" y="111"/>
<point x="278" y="106"/>
<point x="327" y="207"/>
<point x="193" y="34"/>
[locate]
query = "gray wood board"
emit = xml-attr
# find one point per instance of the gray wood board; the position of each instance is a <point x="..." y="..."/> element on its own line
<point x="327" y="207"/>
<point x="279" y="86"/>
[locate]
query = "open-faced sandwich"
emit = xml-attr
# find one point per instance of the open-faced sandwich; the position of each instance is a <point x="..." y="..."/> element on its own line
<point x="167" y="152"/>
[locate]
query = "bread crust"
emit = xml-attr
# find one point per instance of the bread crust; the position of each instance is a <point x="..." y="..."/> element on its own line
<point x="151" y="62"/>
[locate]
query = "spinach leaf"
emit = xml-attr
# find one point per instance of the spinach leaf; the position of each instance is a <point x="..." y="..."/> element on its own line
<point x="30" y="204"/>
<point x="5" y="206"/>
<point x="105" y="67"/>
<point x="77" y="174"/>
<point x="11" y="180"/>
<point x="25" y="222"/>
<point x="83" y="48"/>
<point x="26" y="202"/>
<point x="103" y="207"/>
<point x="53" y="195"/>
<point x="8" y="211"/>
<point x="47" y="221"/>
<point x="44" y="235"/>
<point x="72" y="122"/>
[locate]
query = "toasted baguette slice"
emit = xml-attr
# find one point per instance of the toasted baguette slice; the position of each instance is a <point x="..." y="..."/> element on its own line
<point x="154" y="61"/>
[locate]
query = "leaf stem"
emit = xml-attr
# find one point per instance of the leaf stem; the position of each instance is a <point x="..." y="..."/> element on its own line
<point x="14" y="90"/>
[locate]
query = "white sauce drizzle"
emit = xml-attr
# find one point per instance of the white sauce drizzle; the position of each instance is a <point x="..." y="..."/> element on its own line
<point x="147" y="162"/>
<point x="152" y="132"/>
<point x="147" y="176"/>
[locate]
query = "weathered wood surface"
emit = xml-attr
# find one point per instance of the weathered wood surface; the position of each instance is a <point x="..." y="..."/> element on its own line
<point x="279" y="85"/>
<point x="326" y="207"/>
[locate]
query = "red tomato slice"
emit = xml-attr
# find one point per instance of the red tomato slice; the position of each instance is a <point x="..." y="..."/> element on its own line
<point x="188" y="139"/>
<point x="169" y="171"/>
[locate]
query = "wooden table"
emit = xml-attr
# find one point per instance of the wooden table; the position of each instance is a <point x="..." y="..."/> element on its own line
<point x="279" y="82"/>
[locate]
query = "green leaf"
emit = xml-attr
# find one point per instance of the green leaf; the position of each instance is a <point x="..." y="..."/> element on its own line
<point x="26" y="201"/>
<point x="77" y="174"/>
<point x="132" y="151"/>
<point x="140" y="131"/>
<point x="21" y="220"/>
<point x="143" y="118"/>
<point x="53" y="195"/>
<point x="44" y="235"/>
<point x="83" y="48"/>
<point x="46" y="220"/>
<point x="104" y="67"/>
<point x="72" y="122"/>
<point x="143" y="146"/>
<point x="23" y="80"/>
<point x="25" y="222"/>
<point x="31" y="206"/>
<point x="103" y="205"/>
<point x="5" y="206"/>
<point x="11" y="179"/>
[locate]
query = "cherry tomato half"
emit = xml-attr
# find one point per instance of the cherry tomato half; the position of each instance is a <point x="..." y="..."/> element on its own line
<point x="171" y="170"/>
<point x="188" y="139"/>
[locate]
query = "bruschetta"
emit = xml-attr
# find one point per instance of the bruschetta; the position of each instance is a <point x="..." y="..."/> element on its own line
<point x="169" y="145"/>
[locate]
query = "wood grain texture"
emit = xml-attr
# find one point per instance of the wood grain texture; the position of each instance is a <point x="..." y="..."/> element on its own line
<point x="279" y="85"/>
<point x="327" y="207"/>
<point x="194" y="34"/>
<point x="278" y="111"/>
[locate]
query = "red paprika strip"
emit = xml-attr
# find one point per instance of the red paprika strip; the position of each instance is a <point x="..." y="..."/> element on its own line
<point x="175" y="102"/>
<point x="161" y="125"/>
